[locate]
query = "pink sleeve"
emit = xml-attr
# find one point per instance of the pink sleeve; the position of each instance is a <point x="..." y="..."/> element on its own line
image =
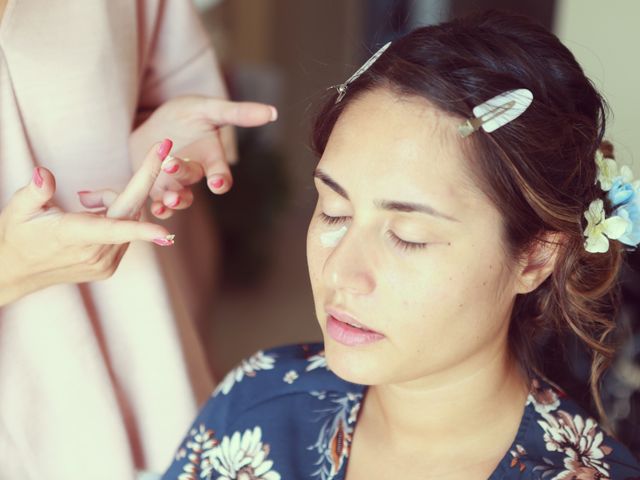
<point x="177" y="56"/>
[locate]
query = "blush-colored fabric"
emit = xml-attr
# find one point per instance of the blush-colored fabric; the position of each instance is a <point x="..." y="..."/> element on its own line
<point x="96" y="380"/>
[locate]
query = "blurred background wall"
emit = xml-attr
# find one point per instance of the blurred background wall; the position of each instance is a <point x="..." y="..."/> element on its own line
<point x="288" y="52"/>
<point x="605" y="37"/>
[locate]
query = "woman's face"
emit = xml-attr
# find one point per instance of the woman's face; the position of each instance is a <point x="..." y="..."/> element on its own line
<point x="405" y="247"/>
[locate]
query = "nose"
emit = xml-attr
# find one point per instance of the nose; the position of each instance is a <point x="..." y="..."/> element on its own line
<point x="348" y="268"/>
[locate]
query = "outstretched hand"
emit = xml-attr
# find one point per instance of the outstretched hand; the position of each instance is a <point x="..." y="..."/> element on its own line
<point x="202" y="129"/>
<point x="41" y="245"/>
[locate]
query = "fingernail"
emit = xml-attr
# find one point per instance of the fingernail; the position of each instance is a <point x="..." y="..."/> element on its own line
<point x="164" y="148"/>
<point x="274" y="114"/>
<point x="37" y="177"/>
<point x="83" y="192"/>
<point x="174" y="204"/>
<point x="165" y="241"/>
<point x="160" y="210"/>
<point x="217" y="183"/>
<point x="172" y="169"/>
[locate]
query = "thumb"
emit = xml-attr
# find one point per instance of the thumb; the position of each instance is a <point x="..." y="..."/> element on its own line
<point x="30" y="199"/>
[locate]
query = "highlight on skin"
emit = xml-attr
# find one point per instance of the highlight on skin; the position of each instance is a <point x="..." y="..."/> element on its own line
<point x="331" y="239"/>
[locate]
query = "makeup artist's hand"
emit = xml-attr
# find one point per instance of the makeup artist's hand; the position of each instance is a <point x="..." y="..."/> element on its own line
<point x="202" y="131"/>
<point x="41" y="245"/>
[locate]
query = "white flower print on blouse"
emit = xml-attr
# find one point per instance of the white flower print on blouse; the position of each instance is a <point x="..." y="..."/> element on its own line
<point x="517" y="455"/>
<point x="580" y="440"/>
<point x="201" y="439"/>
<point x="316" y="361"/>
<point x="543" y="399"/>
<point x="290" y="377"/>
<point x="249" y="367"/>
<point x="239" y="457"/>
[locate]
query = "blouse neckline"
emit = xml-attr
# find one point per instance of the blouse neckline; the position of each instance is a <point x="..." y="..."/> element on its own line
<point x="503" y="465"/>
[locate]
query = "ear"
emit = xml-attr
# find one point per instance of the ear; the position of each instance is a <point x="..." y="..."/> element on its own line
<point x="538" y="261"/>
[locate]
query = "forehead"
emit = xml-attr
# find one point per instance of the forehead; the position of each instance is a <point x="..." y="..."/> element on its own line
<point x="401" y="144"/>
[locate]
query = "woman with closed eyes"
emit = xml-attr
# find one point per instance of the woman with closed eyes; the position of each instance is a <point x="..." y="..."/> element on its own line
<point x="465" y="214"/>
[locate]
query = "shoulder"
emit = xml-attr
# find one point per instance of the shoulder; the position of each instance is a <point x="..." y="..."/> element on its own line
<point x="285" y="369"/>
<point x="558" y="439"/>
<point x="271" y="376"/>
<point x="281" y="410"/>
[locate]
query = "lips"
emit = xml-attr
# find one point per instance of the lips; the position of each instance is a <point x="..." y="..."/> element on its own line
<point x="347" y="330"/>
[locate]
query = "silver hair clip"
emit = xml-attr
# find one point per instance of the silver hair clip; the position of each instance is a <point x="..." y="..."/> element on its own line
<point x="342" y="88"/>
<point x="497" y="111"/>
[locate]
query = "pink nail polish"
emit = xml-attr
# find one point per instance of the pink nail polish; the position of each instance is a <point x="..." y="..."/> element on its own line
<point x="218" y="183"/>
<point x="160" y="210"/>
<point x="37" y="177"/>
<point x="164" y="148"/>
<point x="175" y="203"/>
<point x="165" y="242"/>
<point x="162" y="242"/>
<point x="83" y="192"/>
<point x="172" y="168"/>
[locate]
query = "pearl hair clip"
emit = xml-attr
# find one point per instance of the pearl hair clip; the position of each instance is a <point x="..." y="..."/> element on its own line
<point x="342" y="88"/>
<point x="497" y="111"/>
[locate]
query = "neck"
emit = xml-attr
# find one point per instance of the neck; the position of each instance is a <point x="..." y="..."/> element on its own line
<point x="466" y="407"/>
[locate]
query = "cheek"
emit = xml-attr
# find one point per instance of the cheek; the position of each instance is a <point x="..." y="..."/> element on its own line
<point x="316" y="253"/>
<point x="447" y="290"/>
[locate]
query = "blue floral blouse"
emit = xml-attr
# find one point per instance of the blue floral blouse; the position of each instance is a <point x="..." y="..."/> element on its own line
<point x="282" y="414"/>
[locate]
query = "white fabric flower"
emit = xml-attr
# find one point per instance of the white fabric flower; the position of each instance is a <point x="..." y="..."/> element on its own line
<point x="241" y="457"/>
<point x="607" y="171"/>
<point x="626" y="174"/>
<point x="248" y="367"/>
<point x="600" y="229"/>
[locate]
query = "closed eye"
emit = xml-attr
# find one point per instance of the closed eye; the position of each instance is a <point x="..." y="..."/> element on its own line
<point x="397" y="241"/>
<point x="403" y="244"/>
<point x="333" y="220"/>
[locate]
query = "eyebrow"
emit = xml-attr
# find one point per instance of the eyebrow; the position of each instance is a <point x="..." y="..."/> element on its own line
<point x="395" y="206"/>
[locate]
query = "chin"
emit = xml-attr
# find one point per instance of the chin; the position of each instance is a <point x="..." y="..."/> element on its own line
<point x="353" y="364"/>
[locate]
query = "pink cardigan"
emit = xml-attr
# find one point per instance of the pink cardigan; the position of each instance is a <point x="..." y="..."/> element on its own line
<point x="97" y="380"/>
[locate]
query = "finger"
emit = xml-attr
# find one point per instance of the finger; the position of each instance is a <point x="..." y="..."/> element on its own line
<point x="178" y="200"/>
<point x="158" y="210"/>
<point x="243" y="114"/>
<point x="163" y="183"/>
<point x="83" y="229"/>
<point x="229" y="144"/>
<point x="209" y="152"/>
<point x="30" y="199"/>
<point x="135" y="194"/>
<point x="182" y="170"/>
<point x="217" y="170"/>
<point x="97" y="198"/>
<point x="119" y="254"/>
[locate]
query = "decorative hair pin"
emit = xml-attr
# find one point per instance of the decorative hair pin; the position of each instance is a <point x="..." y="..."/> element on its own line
<point x="623" y="193"/>
<point x="342" y="88"/>
<point x="497" y="111"/>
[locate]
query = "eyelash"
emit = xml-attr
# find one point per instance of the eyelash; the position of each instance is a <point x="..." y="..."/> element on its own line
<point x="332" y="220"/>
<point x="398" y="242"/>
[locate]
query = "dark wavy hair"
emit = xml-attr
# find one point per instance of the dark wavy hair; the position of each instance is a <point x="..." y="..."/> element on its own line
<point x="539" y="170"/>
